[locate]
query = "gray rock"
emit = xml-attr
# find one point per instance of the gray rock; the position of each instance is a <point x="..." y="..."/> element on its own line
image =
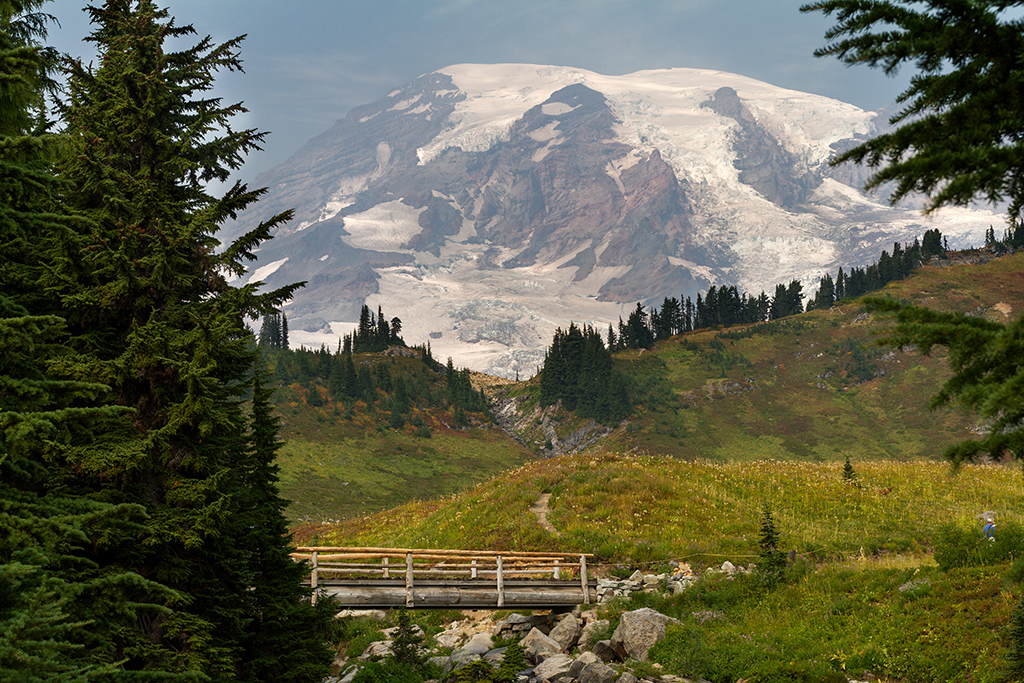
<point x="372" y="614"/>
<point x="479" y="644"/>
<point x="496" y="656"/>
<point x="513" y="619"/>
<point x="604" y="650"/>
<point x="457" y="660"/>
<point x="598" y="672"/>
<point x="637" y="576"/>
<point x="588" y="635"/>
<point x="438" y="661"/>
<point x="582" y="662"/>
<point x="538" y="646"/>
<point x="627" y="677"/>
<point x="348" y="674"/>
<point x="376" y="650"/>
<point x="728" y="567"/>
<point x="389" y="633"/>
<point x="638" y="631"/>
<point x="554" y="668"/>
<point x="566" y="632"/>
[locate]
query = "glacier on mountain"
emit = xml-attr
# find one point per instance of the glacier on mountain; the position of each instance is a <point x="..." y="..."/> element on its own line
<point x="486" y="205"/>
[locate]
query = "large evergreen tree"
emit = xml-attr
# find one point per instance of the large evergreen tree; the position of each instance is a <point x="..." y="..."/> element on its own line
<point x="64" y="614"/>
<point x="150" y="314"/>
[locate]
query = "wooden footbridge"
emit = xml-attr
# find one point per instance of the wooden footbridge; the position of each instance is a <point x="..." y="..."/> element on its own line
<point x="381" y="578"/>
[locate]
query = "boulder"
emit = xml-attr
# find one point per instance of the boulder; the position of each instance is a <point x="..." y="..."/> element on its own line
<point x="378" y="649"/>
<point x="598" y="672"/>
<point x="479" y="644"/>
<point x="538" y="646"/>
<point x="627" y="677"/>
<point x="582" y="662"/>
<point x="604" y="650"/>
<point x="372" y="614"/>
<point x="638" y="631"/>
<point x="566" y="632"/>
<point x="554" y="668"/>
<point x="588" y="635"/>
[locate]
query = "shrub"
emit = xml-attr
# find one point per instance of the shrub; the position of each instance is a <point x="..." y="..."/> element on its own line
<point x="389" y="671"/>
<point x="479" y="671"/>
<point x="960" y="547"/>
<point x="512" y="663"/>
<point x="793" y="672"/>
<point x="682" y="651"/>
<point x="405" y="647"/>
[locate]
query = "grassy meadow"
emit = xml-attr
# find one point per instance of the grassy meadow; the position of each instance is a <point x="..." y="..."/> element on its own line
<point x="865" y="596"/>
<point x="649" y="509"/>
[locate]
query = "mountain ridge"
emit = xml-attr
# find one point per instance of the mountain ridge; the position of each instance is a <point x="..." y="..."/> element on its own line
<point x="490" y="204"/>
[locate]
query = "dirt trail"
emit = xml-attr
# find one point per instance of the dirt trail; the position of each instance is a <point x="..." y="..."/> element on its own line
<point x="541" y="509"/>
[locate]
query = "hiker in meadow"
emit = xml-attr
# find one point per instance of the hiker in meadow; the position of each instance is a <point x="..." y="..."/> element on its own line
<point x="990" y="531"/>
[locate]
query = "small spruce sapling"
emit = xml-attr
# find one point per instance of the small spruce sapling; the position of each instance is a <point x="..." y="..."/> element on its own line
<point x="406" y="644"/>
<point x="771" y="560"/>
<point x="512" y="663"/>
<point x="849" y="474"/>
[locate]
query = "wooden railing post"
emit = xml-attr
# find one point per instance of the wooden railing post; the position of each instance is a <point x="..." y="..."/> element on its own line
<point x="410" y="599"/>
<point x="472" y="571"/>
<point x="557" y="574"/>
<point x="387" y="572"/>
<point x="583" y="580"/>
<point x="501" y="585"/>
<point x="313" y="577"/>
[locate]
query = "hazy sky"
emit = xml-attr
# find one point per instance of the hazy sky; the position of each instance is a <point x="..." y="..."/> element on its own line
<point x="308" y="62"/>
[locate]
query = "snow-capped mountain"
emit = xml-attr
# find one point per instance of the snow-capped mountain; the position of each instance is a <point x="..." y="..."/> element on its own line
<point x="485" y="205"/>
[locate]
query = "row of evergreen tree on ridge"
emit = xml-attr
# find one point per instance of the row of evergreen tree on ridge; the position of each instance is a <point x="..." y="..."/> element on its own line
<point x="725" y="306"/>
<point x="578" y="369"/>
<point x="372" y="382"/>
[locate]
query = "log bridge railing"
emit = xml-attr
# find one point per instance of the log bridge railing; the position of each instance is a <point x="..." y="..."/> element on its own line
<point x="459" y="579"/>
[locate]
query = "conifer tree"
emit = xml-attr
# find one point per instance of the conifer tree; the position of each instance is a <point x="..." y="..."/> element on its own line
<point x="958" y="135"/>
<point x="62" y="614"/>
<point x="150" y="313"/>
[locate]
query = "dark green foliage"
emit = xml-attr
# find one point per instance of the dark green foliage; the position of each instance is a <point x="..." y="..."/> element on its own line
<point x="480" y="671"/>
<point x="787" y="300"/>
<point x="1015" y="656"/>
<point x="373" y="333"/>
<point x="512" y="662"/>
<point x="62" y="614"/>
<point x="140" y="278"/>
<point x="389" y="671"/>
<point x="274" y="332"/>
<point x="849" y="474"/>
<point x="395" y="388"/>
<point x="578" y="371"/>
<point x="959" y="131"/>
<point x="405" y="645"/>
<point x="459" y="392"/>
<point x="960" y="547"/>
<point x="771" y="561"/>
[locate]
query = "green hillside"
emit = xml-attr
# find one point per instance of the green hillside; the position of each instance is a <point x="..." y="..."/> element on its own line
<point x="344" y="456"/>
<point x="814" y="387"/>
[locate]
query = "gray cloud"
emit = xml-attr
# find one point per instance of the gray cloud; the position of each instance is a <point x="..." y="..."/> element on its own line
<point x="309" y="62"/>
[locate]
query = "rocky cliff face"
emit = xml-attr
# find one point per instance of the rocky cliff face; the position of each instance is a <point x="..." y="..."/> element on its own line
<point x="486" y="205"/>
